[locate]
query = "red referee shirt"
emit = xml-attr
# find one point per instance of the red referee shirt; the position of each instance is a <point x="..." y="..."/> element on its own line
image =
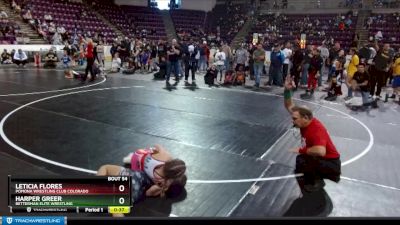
<point x="316" y="134"/>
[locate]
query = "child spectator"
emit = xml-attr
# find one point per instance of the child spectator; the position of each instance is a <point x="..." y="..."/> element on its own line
<point x="240" y="78"/>
<point x="65" y="60"/>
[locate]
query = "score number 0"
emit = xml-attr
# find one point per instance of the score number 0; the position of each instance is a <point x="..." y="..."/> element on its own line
<point x="121" y="200"/>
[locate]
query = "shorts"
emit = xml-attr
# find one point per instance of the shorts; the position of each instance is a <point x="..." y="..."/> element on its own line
<point x="396" y="81"/>
<point x="140" y="183"/>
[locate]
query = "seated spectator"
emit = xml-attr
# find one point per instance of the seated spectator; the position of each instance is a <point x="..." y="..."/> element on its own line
<point x="6" y="57"/>
<point x="240" y="78"/>
<point x="27" y="16"/>
<point x="48" y="17"/>
<point x="20" y="57"/>
<point x="50" y="59"/>
<point x="163" y="69"/>
<point x="3" y="15"/>
<point x="17" y="9"/>
<point x="56" y="39"/>
<point x="379" y="36"/>
<point x="13" y="4"/>
<point x="335" y="89"/>
<point x="52" y="28"/>
<point x="211" y="74"/>
<point x="116" y="63"/>
<point x="229" y="77"/>
<point x="61" y="30"/>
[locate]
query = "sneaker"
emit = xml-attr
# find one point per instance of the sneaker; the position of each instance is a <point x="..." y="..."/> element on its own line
<point x="347" y="98"/>
<point x="393" y="96"/>
<point x="127" y="159"/>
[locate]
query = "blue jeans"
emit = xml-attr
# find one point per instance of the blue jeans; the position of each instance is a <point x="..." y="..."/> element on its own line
<point x="181" y="70"/>
<point x="349" y="91"/>
<point x="203" y="63"/>
<point x="331" y="73"/>
<point x="258" y="69"/>
<point x="320" y="78"/>
<point x="304" y="74"/>
<point x="227" y="67"/>
<point x="175" y="66"/>
<point x="365" y="97"/>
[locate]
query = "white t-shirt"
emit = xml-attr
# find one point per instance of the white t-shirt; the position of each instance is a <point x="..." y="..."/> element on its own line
<point x="220" y="58"/>
<point x="288" y="53"/>
<point x="116" y="63"/>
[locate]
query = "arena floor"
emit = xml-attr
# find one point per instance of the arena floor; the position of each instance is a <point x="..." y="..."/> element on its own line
<point x="234" y="140"/>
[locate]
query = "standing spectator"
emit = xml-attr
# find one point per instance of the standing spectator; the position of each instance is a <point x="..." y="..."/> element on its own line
<point x="325" y="55"/>
<point x="259" y="58"/>
<point x="100" y="53"/>
<point x="287" y="51"/>
<point x="228" y="53"/>
<point x="313" y="73"/>
<point x="275" y="70"/>
<point x="351" y="69"/>
<point x="220" y="59"/>
<point x="20" y="57"/>
<point x="333" y="53"/>
<point x="364" y="53"/>
<point x="173" y="53"/>
<point x="191" y="63"/>
<point x="241" y="57"/>
<point x="204" y="51"/>
<point x="297" y="62"/>
<point x="396" y="77"/>
<point x="381" y="66"/>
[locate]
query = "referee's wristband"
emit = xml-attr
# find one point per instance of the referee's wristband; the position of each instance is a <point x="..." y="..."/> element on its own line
<point x="287" y="94"/>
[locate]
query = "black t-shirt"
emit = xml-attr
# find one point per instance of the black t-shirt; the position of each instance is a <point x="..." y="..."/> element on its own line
<point x="315" y="64"/>
<point x="382" y="60"/>
<point x="51" y="56"/>
<point x="333" y="54"/>
<point x="361" y="78"/>
<point x="162" y="50"/>
<point x="364" y="53"/>
<point x="173" y="57"/>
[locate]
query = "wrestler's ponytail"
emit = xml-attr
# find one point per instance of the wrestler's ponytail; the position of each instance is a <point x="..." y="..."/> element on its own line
<point x="175" y="171"/>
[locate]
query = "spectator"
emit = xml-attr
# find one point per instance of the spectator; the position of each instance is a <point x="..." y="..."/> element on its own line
<point x="220" y="59"/>
<point x="50" y="60"/>
<point x="20" y="57"/>
<point x="6" y="57"/>
<point x="3" y="15"/>
<point x="259" y="58"/>
<point x="351" y="69"/>
<point x="360" y="82"/>
<point x="116" y="63"/>
<point x="275" y="69"/>
<point x="66" y="59"/>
